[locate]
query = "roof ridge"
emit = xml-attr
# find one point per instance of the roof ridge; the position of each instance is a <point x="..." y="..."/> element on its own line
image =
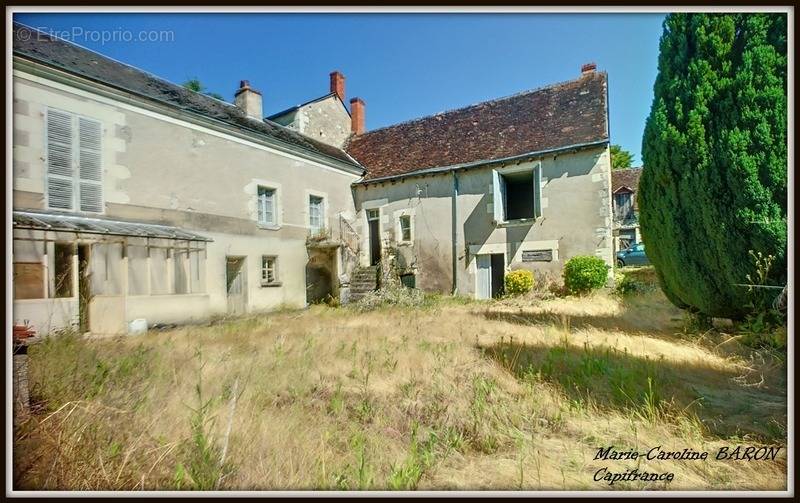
<point x="473" y="105"/>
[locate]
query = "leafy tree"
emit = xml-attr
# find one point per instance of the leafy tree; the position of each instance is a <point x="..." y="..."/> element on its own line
<point x="620" y="159"/>
<point x="715" y="159"/>
<point x="195" y="85"/>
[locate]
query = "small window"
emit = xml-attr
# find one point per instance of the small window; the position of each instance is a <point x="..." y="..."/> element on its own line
<point x="316" y="214"/>
<point x="405" y="228"/>
<point x="63" y="270"/>
<point x="408" y="280"/>
<point x="266" y="206"/>
<point x="269" y="270"/>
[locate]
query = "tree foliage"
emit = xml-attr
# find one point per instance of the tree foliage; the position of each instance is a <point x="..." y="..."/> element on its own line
<point x="715" y="158"/>
<point x="620" y="159"/>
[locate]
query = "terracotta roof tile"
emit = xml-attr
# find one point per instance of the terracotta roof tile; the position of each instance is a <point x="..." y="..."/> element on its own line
<point x="561" y="115"/>
<point x="625" y="178"/>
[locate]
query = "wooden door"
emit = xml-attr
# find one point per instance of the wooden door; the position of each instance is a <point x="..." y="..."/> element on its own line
<point x="373" y="217"/>
<point x="483" y="288"/>
<point x="236" y="275"/>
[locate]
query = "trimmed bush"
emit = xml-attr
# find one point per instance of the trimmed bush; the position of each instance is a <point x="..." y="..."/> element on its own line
<point x="518" y="282"/>
<point x="584" y="273"/>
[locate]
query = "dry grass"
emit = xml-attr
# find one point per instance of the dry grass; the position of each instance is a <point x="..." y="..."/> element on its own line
<point x="503" y="395"/>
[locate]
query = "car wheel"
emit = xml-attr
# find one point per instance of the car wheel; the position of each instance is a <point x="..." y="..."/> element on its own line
<point x="620" y="263"/>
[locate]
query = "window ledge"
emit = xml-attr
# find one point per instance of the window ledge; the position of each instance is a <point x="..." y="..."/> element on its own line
<point x="264" y="284"/>
<point x="405" y="243"/>
<point x="518" y="222"/>
<point x="267" y="227"/>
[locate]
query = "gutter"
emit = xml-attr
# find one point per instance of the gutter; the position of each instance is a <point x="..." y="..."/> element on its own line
<point x="64" y="76"/>
<point x="485" y="162"/>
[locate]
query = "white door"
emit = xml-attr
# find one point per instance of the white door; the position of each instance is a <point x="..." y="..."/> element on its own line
<point x="484" y="277"/>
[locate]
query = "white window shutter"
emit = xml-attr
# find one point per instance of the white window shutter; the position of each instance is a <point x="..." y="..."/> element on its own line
<point x="537" y="190"/>
<point x="59" y="160"/>
<point x="90" y="165"/>
<point x="499" y="197"/>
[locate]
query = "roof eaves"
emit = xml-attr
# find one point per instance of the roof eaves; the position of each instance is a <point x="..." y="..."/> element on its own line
<point x="485" y="162"/>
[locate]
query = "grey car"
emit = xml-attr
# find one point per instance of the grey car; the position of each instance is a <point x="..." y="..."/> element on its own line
<point x="633" y="255"/>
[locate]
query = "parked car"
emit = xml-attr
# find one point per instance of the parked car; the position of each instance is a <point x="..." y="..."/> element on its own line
<point x="633" y="255"/>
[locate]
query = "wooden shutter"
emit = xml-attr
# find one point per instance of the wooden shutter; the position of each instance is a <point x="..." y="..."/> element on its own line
<point x="499" y="196"/>
<point x="537" y="190"/>
<point x="90" y="170"/>
<point x="59" y="160"/>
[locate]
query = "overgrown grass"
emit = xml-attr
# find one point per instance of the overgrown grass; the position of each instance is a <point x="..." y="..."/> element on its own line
<point x="451" y="395"/>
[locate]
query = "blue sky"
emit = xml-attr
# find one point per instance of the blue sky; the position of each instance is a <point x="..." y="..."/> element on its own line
<point x="402" y="65"/>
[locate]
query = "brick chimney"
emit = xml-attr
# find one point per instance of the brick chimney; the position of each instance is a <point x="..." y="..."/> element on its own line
<point x="357" y="115"/>
<point x="249" y="100"/>
<point x="337" y="84"/>
<point x="588" y="68"/>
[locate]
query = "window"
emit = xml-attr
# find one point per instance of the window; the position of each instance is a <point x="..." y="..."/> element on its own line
<point x="74" y="162"/>
<point x="63" y="270"/>
<point x="316" y="214"/>
<point x="180" y="262"/>
<point x="266" y="206"/>
<point x="405" y="228"/>
<point x="517" y="194"/>
<point x="408" y="280"/>
<point x="269" y="270"/>
<point x="623" y="204"/>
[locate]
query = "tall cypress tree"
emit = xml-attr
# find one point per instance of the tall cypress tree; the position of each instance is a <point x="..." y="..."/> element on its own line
<point x="715" y="158"/>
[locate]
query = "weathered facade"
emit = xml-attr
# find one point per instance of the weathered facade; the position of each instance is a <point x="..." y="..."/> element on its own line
<point x="136" y="199"/>
<point x="228" y="187"/>
<point x="518" y="182"/>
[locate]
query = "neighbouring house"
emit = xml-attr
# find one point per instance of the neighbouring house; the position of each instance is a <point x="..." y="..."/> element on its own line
<point x="624" y="185"/>
<point x="134" y="198"/>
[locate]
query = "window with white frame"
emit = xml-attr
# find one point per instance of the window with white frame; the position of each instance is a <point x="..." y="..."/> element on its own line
<point x="316" y="214"/>
<point x="405" y="229"/>
<point x="269" y="270"/>
<point x="74" y="162"/>
<point x="517" y="193"/>
<point x="266" y="206"/>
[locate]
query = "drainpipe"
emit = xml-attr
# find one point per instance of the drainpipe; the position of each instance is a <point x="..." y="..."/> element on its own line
<point x="455" y="232"/>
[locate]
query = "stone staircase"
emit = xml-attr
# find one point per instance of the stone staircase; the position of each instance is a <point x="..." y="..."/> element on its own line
<point x="363" y="281"/>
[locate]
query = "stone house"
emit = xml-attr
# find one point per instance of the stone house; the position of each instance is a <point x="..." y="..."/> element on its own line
<point x="134" y="198"/>
<point x="624" y="185"/>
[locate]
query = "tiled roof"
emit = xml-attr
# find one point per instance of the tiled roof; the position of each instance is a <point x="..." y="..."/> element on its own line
<point x="561" y="115"/>
<point x="625" y="178"/>
<point x="54" y="52"/>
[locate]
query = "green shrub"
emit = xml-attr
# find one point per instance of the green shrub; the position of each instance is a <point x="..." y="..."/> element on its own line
<point x="636" y="281"/>
<point x="518" y="282"/>
<point x="584" y="273"/>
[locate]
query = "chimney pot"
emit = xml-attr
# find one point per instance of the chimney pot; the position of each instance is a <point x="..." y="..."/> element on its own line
<point x="337" y="84"/>
<point x="357" y="107"/>
<point x="249" y="100"/>
<point x="588" y="68"/>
